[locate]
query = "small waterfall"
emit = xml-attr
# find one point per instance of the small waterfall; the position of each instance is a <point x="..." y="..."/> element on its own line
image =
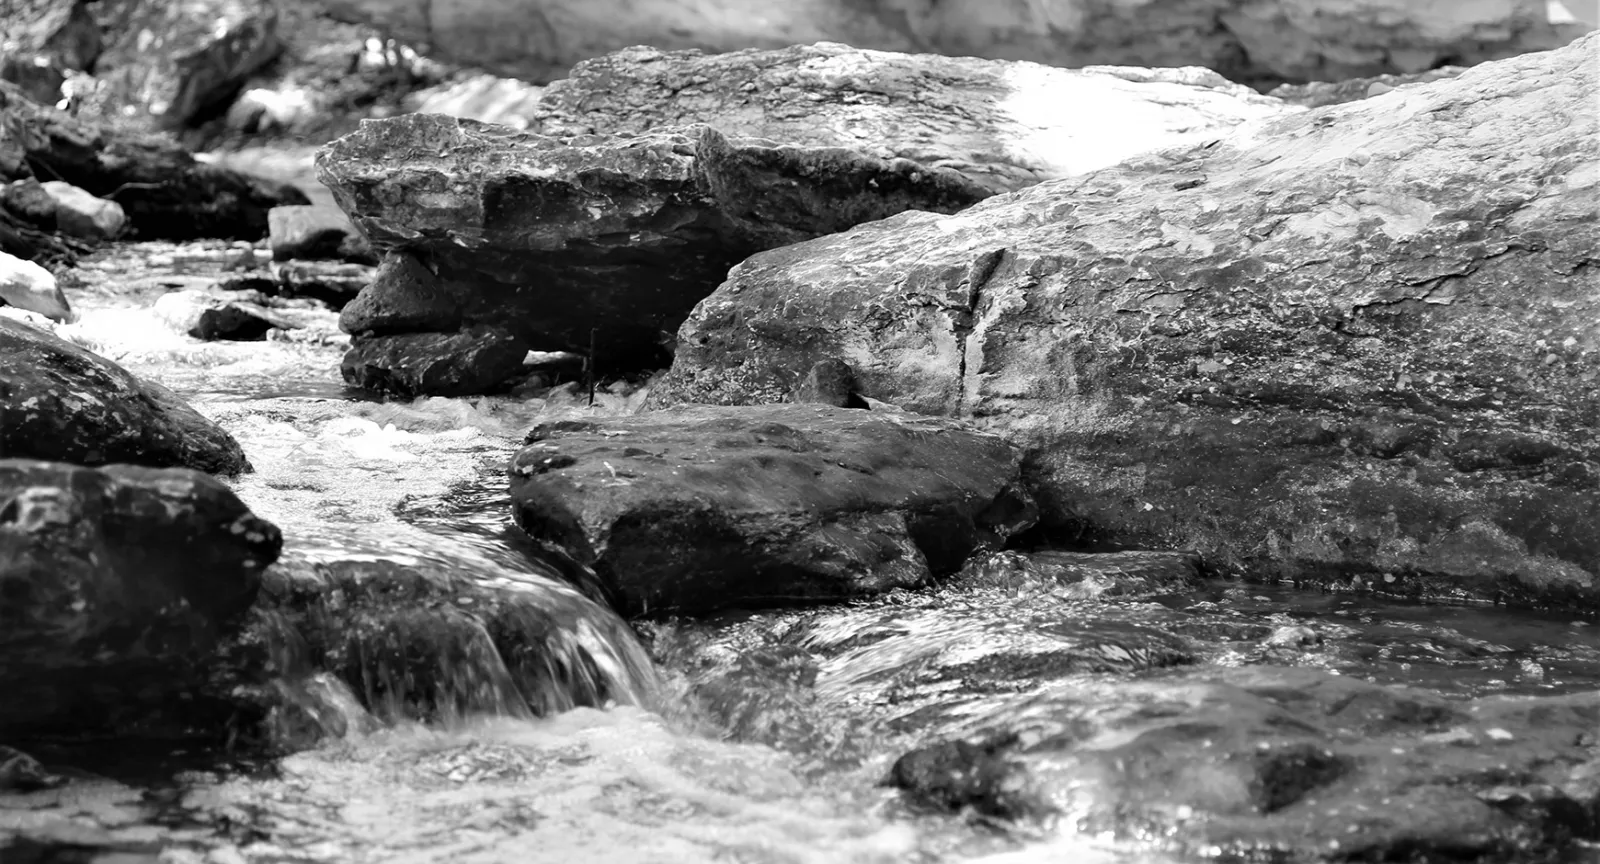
<point x="427" y="628"/>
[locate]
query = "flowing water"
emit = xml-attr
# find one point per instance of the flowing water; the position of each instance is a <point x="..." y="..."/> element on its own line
<point x="759" y="737"/>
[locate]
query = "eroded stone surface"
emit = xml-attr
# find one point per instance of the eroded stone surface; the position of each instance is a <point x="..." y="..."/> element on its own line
<point x="704" y="508"/>
<point x="59" y="401"/>
<point x="1360" y="342"/>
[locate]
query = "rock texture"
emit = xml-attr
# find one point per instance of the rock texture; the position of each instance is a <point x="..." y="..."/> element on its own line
<point x="707" y="508"/>
<point x="116" y="584"/>
<point x="165" y="193"/>
<point x="615" y="213"/>
<point x="1005" y="125"/>
<point x="568" y="242"/>
<point x="83" y="215"/>
<point x="61" y="402"/>
<point x="1358" y="345"/>
<point x="1291" y="760"/>
<point x="1248" y="40"/>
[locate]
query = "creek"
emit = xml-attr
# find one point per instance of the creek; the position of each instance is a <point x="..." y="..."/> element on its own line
<point x="752" y="737"/>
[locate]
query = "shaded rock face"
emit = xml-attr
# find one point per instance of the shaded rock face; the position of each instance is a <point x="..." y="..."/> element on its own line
<point x="181" y="63"/>
<point x="705" y="508"/>
<point x="115" y="585"/>
<point x="1005" y="125"/>
<point x="59" y="401"/>
<point x="564" y="241"/>
<point x="164" y="192"/>
<point x="1287" y="760"/>
<point x="1357" y="343"/>
<point x="1249" y="40"/>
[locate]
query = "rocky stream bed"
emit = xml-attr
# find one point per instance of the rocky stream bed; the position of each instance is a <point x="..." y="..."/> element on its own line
<point x="812" y="455"/>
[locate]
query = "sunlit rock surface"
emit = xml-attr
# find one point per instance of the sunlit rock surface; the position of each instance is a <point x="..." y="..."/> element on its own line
<point x="116" y="585"/>
<point x="700" y="509"/>
<point x="1004" y="124"/>
<point x="1358" y="345"/>
<point x="59" y="401"/>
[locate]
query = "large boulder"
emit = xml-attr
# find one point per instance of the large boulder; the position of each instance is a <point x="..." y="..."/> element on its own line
<point x="1248" y="40"/>
<point x="163" y="190"/>
<point x="61" y="402"/>
<point x="182" y="63"/>
<point x="706" y="508"/>
<point x="605" y="222"/>
<point x="1358" y="343"/>
<point x="605" y="241"/>
<point x="116" y="584"/>
<point x="1006" y="125"/>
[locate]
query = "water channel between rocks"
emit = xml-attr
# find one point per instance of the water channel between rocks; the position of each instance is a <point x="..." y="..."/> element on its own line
<point x="751" y="737"/>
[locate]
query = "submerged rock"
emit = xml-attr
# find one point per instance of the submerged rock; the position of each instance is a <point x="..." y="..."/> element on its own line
<point x="705" y="508"/>
<point x="32" y="288"/>
<point x="1282" y="762"/>
<point x="1319" y="350"/>
<point x="61" y="402"/>
<point x="116" y="585"/>
<point x="205" y="316"/>
<point x="164" y="191"/>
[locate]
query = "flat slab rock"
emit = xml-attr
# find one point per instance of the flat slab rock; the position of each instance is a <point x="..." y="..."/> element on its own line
<point x="696" y="509"/>
<point x="60" y="401"/>
<point x="116" y="584"/>
<point x="1360" y="342"/>
<point x="564" y="239"/>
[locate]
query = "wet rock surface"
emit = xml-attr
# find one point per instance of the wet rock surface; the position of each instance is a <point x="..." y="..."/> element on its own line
<point x="27" y="286"/>
<point x="164" y="191"/>
<point x="60" y="401"/>
<point x="1190" y="717"/>
<point x="310" y="232"/>
<point x="698" y="509"/>
<point x="1338" y="368"/>
<point x="118" y="583"/>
